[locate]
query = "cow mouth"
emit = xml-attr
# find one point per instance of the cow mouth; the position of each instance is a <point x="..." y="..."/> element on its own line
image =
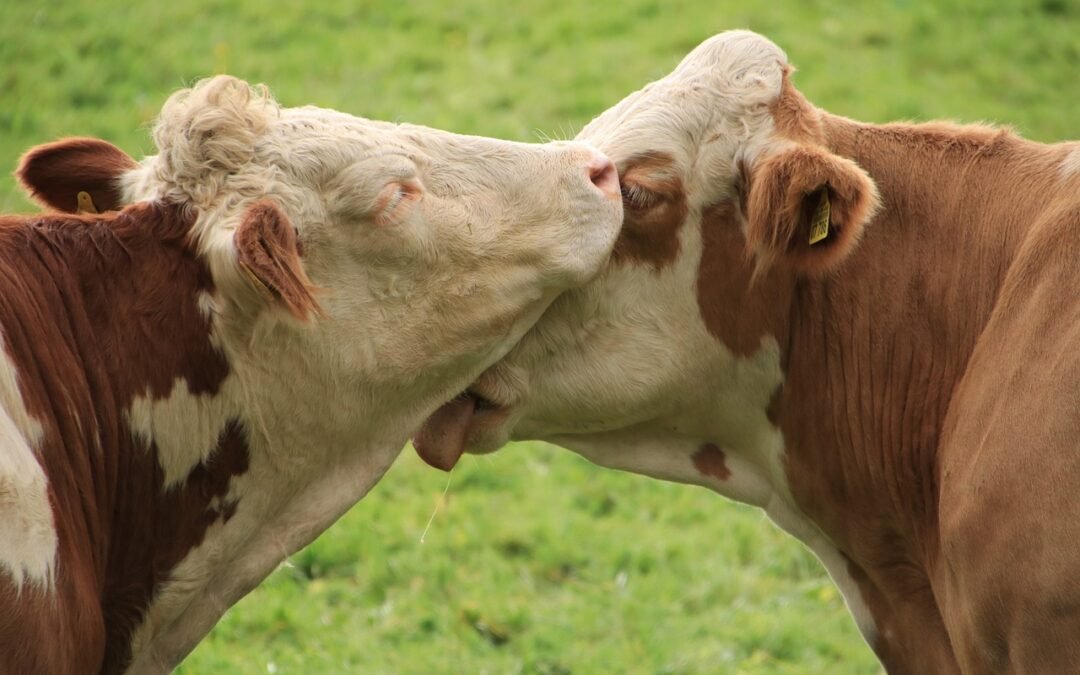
<point x="442" y="438"/>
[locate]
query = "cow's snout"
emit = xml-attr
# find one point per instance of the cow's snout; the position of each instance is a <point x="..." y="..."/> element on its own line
<point x="603" y="174"/>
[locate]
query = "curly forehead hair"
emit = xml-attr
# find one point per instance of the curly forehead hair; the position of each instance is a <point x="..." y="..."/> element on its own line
<point x="206" y="136"/>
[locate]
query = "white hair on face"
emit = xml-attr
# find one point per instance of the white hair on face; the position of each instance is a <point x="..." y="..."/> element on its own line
<point x="211" y="139"/>
<point x="720" y="91"/>
<point x="207" y="133"/>
<point x="746" y="68"/>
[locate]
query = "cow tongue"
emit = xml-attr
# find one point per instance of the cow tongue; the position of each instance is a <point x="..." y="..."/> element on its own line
<point x="441" y="440"/>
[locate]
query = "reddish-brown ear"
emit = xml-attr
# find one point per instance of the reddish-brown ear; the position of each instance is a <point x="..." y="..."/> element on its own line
<point x="269" y="254"/>
<point x="55" y="173"/>
<point x="792" y="193"/>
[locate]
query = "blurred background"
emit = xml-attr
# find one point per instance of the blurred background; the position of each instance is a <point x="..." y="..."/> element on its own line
<point x="535" y="561"/>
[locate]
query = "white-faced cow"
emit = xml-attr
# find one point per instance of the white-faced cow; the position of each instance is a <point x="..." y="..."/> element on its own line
<point x="870" y="331"/>
<point x="195" y="386"/>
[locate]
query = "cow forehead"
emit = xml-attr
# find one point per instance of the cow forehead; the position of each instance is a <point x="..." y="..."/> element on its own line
<point x="665" y="117"/>
<point x="735" y="60"/>
<point x="718" y="92"/>
<point x="314" y="143"/>
<point x="224" y="143"/>
<point x="329" y="132"/>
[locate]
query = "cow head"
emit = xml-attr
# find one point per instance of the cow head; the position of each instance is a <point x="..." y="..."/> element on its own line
<point x="391" y="257"/>
<point x="726" y="180"/>
<point x="346" y="278"/>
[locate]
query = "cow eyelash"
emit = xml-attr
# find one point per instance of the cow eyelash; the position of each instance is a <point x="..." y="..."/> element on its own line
<point x="637" y="197"/>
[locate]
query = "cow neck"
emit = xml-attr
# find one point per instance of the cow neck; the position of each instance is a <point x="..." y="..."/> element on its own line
<point x="875" y="351"/>
<point x="100" y="313"/>
<point x="316" y="440"/>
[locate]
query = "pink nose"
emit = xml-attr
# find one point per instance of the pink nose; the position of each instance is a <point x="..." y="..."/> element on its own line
<point x="603" y="174"/>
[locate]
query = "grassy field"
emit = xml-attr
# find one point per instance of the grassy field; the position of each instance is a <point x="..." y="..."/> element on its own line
<point x="536" y="562"/>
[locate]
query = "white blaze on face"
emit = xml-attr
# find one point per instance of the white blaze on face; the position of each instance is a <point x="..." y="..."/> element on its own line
<point x="27" y="530"/>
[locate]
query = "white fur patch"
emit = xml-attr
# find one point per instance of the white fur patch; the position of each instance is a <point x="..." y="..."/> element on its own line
<point x="1070" y="166"/>
<point x="852" y="594"/>
<point x="185" y="426"/>
<point x="208" y="306"/>
<point x="28" y="539"/>
<point x="235" y="557"/>
<point x="790" y="519"/>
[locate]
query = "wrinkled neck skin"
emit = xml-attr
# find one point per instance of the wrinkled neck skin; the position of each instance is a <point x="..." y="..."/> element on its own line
<point x="831" y="422"/>
<point x="313" y="453"/>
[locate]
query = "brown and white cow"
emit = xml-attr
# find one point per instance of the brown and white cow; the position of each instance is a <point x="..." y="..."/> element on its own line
<point x="902" y="395"/>
<point x="195" y="386"/>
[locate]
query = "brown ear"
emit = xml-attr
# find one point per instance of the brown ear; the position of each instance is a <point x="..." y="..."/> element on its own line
<point x="268" y="252"/>
<point x="56" y="173"/>
<point x="793" y="194"/>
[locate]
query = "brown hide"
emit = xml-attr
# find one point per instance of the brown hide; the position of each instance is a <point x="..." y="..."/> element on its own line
<point x="654" y="208"/>
<point x="96" y="311"/>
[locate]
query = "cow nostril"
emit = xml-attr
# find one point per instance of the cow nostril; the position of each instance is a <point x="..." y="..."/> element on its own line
<point x="603" y="175"/>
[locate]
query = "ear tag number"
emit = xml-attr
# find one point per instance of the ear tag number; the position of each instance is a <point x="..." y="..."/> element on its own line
<point x="819" y="223"/>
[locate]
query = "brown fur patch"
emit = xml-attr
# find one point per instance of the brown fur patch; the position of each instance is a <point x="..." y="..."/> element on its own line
<point x="266" y="245"/>
<point x="55" y="173"/>
<point x="736" y="310"/>
<point x="710" y="460"/>
<point x="654" y="209"/>
<point x="171" y="524"/>
<point x="96" y="311"/>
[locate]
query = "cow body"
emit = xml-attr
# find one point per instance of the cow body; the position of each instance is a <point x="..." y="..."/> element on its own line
<point x="183" y="406"/>
<point x="899" y="396"/>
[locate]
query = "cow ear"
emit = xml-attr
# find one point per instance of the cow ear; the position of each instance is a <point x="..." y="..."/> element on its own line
<point x="75" y="174"/>
<point x="806" y="208"/>
<point x="269" y="255"/>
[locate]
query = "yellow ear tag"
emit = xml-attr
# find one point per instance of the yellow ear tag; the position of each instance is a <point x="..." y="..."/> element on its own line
<point x="85" y="203"/>
<point x="819" y="223"/>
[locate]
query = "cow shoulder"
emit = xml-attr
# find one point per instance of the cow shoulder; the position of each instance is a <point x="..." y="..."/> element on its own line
<point x="1009" y="464"/>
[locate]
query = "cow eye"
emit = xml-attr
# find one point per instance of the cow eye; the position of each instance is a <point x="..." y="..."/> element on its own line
<point x="636" y="197"/>
<point x="395" y="202"/>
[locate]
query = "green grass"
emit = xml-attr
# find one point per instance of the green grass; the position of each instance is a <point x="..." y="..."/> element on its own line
<point x="537" y="562"/>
